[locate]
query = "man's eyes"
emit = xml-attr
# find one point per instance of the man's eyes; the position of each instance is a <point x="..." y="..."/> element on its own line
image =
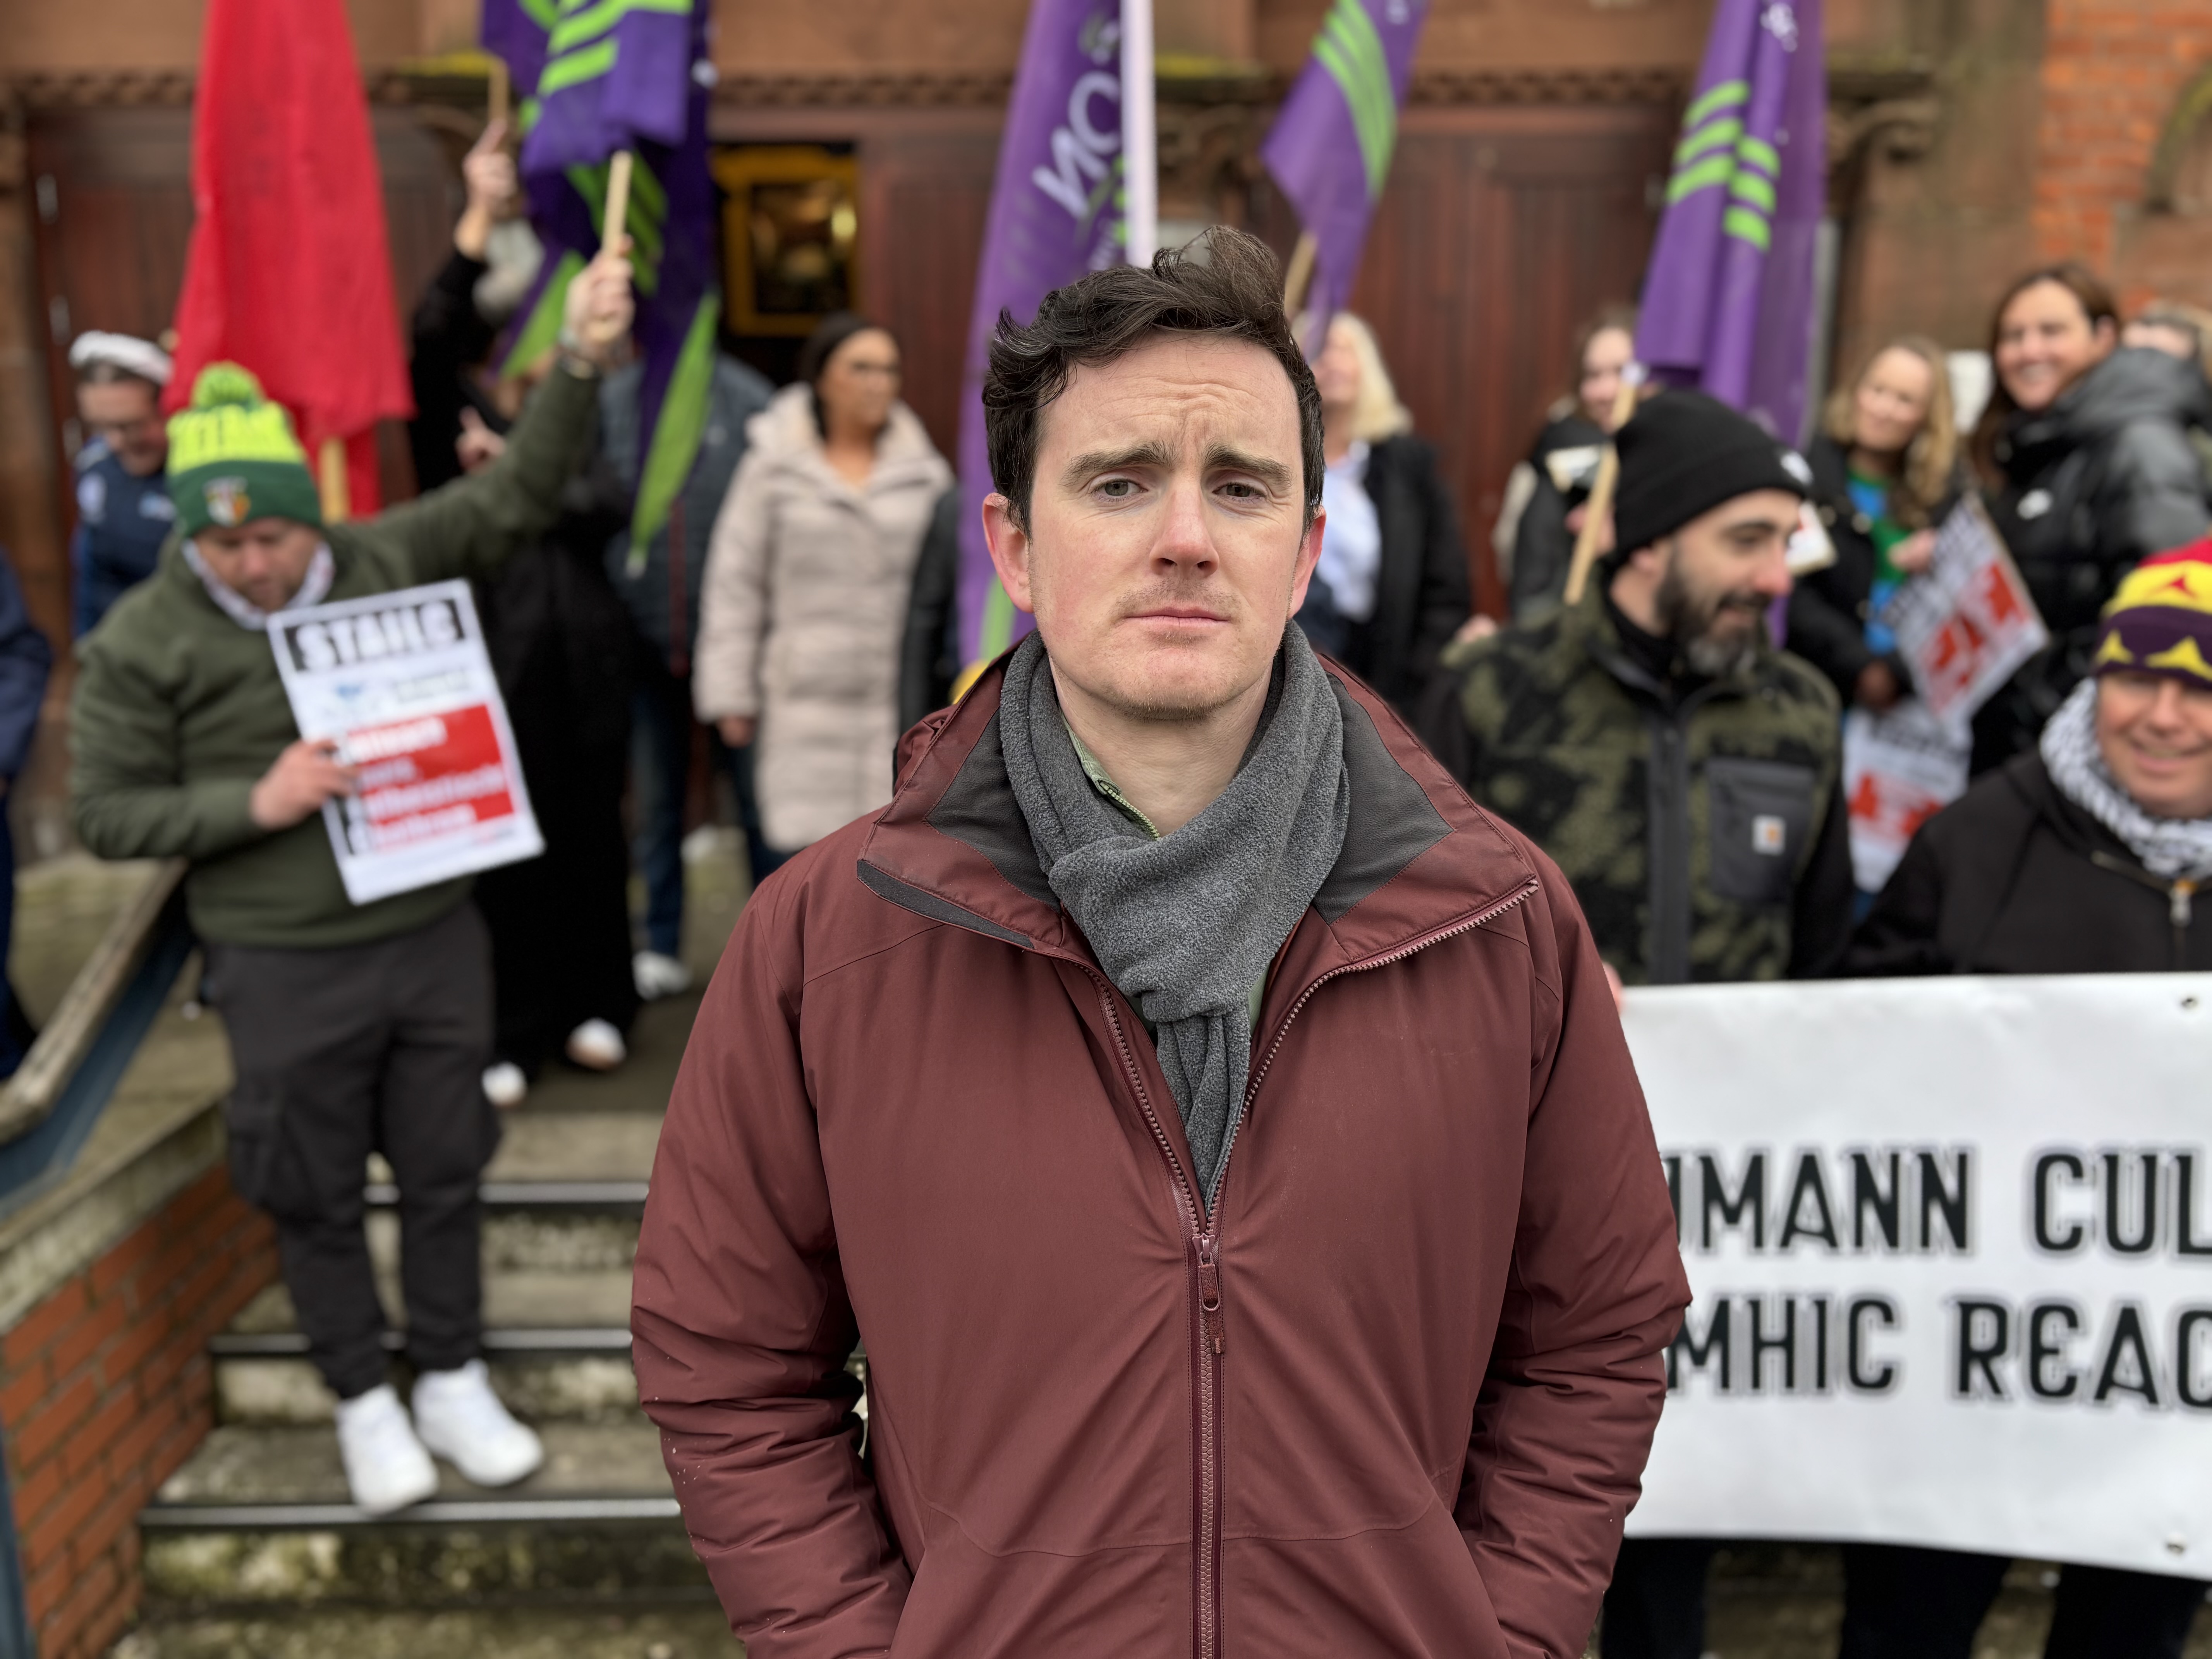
<point x="1117" y="489"/>
<point x="1244" y="492"/>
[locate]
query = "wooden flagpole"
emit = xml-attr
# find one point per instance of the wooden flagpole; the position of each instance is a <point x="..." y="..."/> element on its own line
<point x="497" y="92"/>
<point x="1599" y="506"/>
<point x="617" y="213"/>
<point x="335" y="491"/>
<point x="1299" y="278"/>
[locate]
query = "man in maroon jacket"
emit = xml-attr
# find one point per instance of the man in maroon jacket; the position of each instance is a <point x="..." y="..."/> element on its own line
<point x="1217" y="1126"/>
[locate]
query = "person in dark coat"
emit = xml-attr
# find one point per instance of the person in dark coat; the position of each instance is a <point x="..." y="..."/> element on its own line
<point x="2085" y="462"/>
<point x="1392" y="587"/>
<point x="124" y="513"/>
<point x="26" y="659"/>
<point x="929" y="654"/>
<point x="661" y="593"/>
<point x="560" y="644"/>
<point x="1882" y="475"/>
<point x="2082" y="855"/>
<point x="1536" y="530"/>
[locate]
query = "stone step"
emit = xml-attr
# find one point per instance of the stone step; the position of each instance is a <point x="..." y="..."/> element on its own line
<point x="289" y="1479"/>
<point x="557" y="1343"/>
<point x="676" y="1629"/>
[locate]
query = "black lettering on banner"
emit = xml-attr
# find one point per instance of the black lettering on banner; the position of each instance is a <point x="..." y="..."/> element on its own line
<point x="2044" y="1203"/>
<point x="442" y="623"/>
<point x="2117" y="1206"/>
<point x="1750" y="1198"/>
<point x="1809" y="1184"/>
<point x="1935" y="1195"/>
<point x="2128" y="1367"/>
<point x="1983" y="1337"/>
<point x="2186" y="1370"/>
<point x="1715" y="1349"/>
<point x="1869" y="1194"/>
<point x="1672" y="1162"/>
<point x="1820" y="1344"/>
<point x="1880" y="1309"/>
<point x="2042" y="1349"/>
<point x="2186" y="1242"/>
<point x="1783" y="1342"/>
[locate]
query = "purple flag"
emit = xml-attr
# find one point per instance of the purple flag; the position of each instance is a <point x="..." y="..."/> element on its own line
<point x="1728" y="299"/>
<point x="1330" y="148"/>
<point x="624" y="74"/>
<point x="1055" y="214"/>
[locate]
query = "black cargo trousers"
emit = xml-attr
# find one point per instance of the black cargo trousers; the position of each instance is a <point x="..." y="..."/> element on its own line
<point x="347" y="1050"/>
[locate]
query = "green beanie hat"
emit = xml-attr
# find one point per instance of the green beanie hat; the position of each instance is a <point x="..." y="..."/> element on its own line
<point x="233" y="457"/>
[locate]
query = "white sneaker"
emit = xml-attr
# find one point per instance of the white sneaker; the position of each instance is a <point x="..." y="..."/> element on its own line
<point x="386" y="1467"/>
<point x="597" y="1046"/>
<point x="461" y="1418"/>
<point x="659" y="976"/>
<point x="504" y="1084"/>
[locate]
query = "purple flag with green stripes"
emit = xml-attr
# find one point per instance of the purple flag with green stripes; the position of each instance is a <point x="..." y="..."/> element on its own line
<point x="1728" y="299"/>
<point x="1056" y="213"/>
<point x="593" y="77"/>
<point x="1331" y="146"/>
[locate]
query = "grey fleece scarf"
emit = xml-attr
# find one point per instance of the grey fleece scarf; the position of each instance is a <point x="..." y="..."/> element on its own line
<point x="1185" y="925"/>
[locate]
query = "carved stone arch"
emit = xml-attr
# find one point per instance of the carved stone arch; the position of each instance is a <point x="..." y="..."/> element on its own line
<point x="2181" y="168"/>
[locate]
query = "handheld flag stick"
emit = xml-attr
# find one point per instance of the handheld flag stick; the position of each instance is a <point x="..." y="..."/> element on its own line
<point x="1300" y="275"/>
<point x="1602" y="488"/>
<point x="330" y="469"/>
<point x="617" y="213"/>
<point x="496" y="93"/>
<point x="1140" y="168"/>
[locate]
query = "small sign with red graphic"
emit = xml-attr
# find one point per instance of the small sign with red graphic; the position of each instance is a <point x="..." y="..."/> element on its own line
<point x="1901" y="769"/>
<point x="402" y="684"/>
<point x="1966" y="624"/>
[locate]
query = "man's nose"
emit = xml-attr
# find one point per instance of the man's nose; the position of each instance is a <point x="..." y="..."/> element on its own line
<point x="1771" y="578"/>
<point x="1185" y="540"/>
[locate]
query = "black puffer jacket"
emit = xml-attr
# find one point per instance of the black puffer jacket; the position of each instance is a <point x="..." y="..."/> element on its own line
<point x="1420" y="588"/>
<point x="2093" y="485"/>
<point x="2014" y="878"/>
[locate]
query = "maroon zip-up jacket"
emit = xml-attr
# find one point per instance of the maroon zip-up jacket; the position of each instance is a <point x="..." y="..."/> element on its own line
<point x="1393" y="1397"/>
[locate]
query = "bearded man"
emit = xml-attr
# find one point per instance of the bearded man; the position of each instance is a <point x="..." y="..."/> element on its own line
<point x="1685" y="774"/>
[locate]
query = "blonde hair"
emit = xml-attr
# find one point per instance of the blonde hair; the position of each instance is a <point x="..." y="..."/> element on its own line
<point x="1379" y="414"/>
<point x="1931" y="459"/>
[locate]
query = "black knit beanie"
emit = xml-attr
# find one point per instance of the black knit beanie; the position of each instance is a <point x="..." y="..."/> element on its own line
<point x="1685" y="453"/>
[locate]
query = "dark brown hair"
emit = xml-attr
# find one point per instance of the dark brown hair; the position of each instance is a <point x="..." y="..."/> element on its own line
<point x="831" y="332"/>
<point x="1225" y="283"/>
<point x="2097" y="305"/>
<point x="1612" y="315"/>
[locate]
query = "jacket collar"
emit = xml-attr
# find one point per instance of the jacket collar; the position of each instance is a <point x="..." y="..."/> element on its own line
<point x="1587" y="630"/>
<point x="1419" y="858"/>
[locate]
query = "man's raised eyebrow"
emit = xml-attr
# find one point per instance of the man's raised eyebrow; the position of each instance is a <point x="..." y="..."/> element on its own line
<point x="1222" y="459"/>
<point x="1091" y="464"/>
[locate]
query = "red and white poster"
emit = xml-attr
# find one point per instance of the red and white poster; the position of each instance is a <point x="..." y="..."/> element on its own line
<point x="1901" y="769"/>
<point x="1967" y="623"/>
<point x="402" y="684"/>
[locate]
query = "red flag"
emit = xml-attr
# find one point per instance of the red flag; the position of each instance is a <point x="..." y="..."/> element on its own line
<point x="290" y="272"/>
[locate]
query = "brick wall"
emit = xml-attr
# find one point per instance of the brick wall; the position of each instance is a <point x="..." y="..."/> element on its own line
<point x="2112" y="72"/>
<point x="105" y="1388"/>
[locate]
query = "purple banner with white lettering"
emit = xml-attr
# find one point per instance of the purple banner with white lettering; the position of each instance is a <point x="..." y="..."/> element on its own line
<point x="1055" y="214"/>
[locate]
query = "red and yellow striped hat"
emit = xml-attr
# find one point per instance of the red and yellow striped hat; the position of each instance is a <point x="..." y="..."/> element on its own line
<point x="2160" y="620"/>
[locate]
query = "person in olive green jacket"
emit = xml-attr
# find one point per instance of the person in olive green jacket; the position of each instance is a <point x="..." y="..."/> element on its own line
<point x="352" y="1028"/>
<point x="1685" y="774"/>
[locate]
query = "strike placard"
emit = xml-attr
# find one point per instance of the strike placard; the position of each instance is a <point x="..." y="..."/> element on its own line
<point x="402" y="682"/>
<point x="1900" y="767"/>
<point x="1967" y="623"/>
<point x="1950" y="1247"/>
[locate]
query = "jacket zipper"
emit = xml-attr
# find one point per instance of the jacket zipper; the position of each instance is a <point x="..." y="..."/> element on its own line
<point x="1209" y="1325"/>
<point x="2180" y="899"/>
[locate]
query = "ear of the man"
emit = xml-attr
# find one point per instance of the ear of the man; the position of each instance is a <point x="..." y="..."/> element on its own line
<point x="1309" y="558"/>
<point x="1011" y="550"/>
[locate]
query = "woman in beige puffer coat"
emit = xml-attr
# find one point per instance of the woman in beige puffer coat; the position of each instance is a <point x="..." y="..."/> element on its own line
<point x="807" y="579"/>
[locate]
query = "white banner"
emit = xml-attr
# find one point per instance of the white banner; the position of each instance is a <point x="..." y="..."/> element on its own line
<point x="1951" y="1245"/>
<point x="402" y="682"/>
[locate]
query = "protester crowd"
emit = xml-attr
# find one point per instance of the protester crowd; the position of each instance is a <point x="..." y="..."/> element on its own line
<point x="794" y="615"/>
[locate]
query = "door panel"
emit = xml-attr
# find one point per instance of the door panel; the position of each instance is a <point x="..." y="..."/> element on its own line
<point x="1501" y="229"/>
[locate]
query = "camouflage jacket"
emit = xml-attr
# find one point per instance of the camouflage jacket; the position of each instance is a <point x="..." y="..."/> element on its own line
<point x="1704" y="834"/>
